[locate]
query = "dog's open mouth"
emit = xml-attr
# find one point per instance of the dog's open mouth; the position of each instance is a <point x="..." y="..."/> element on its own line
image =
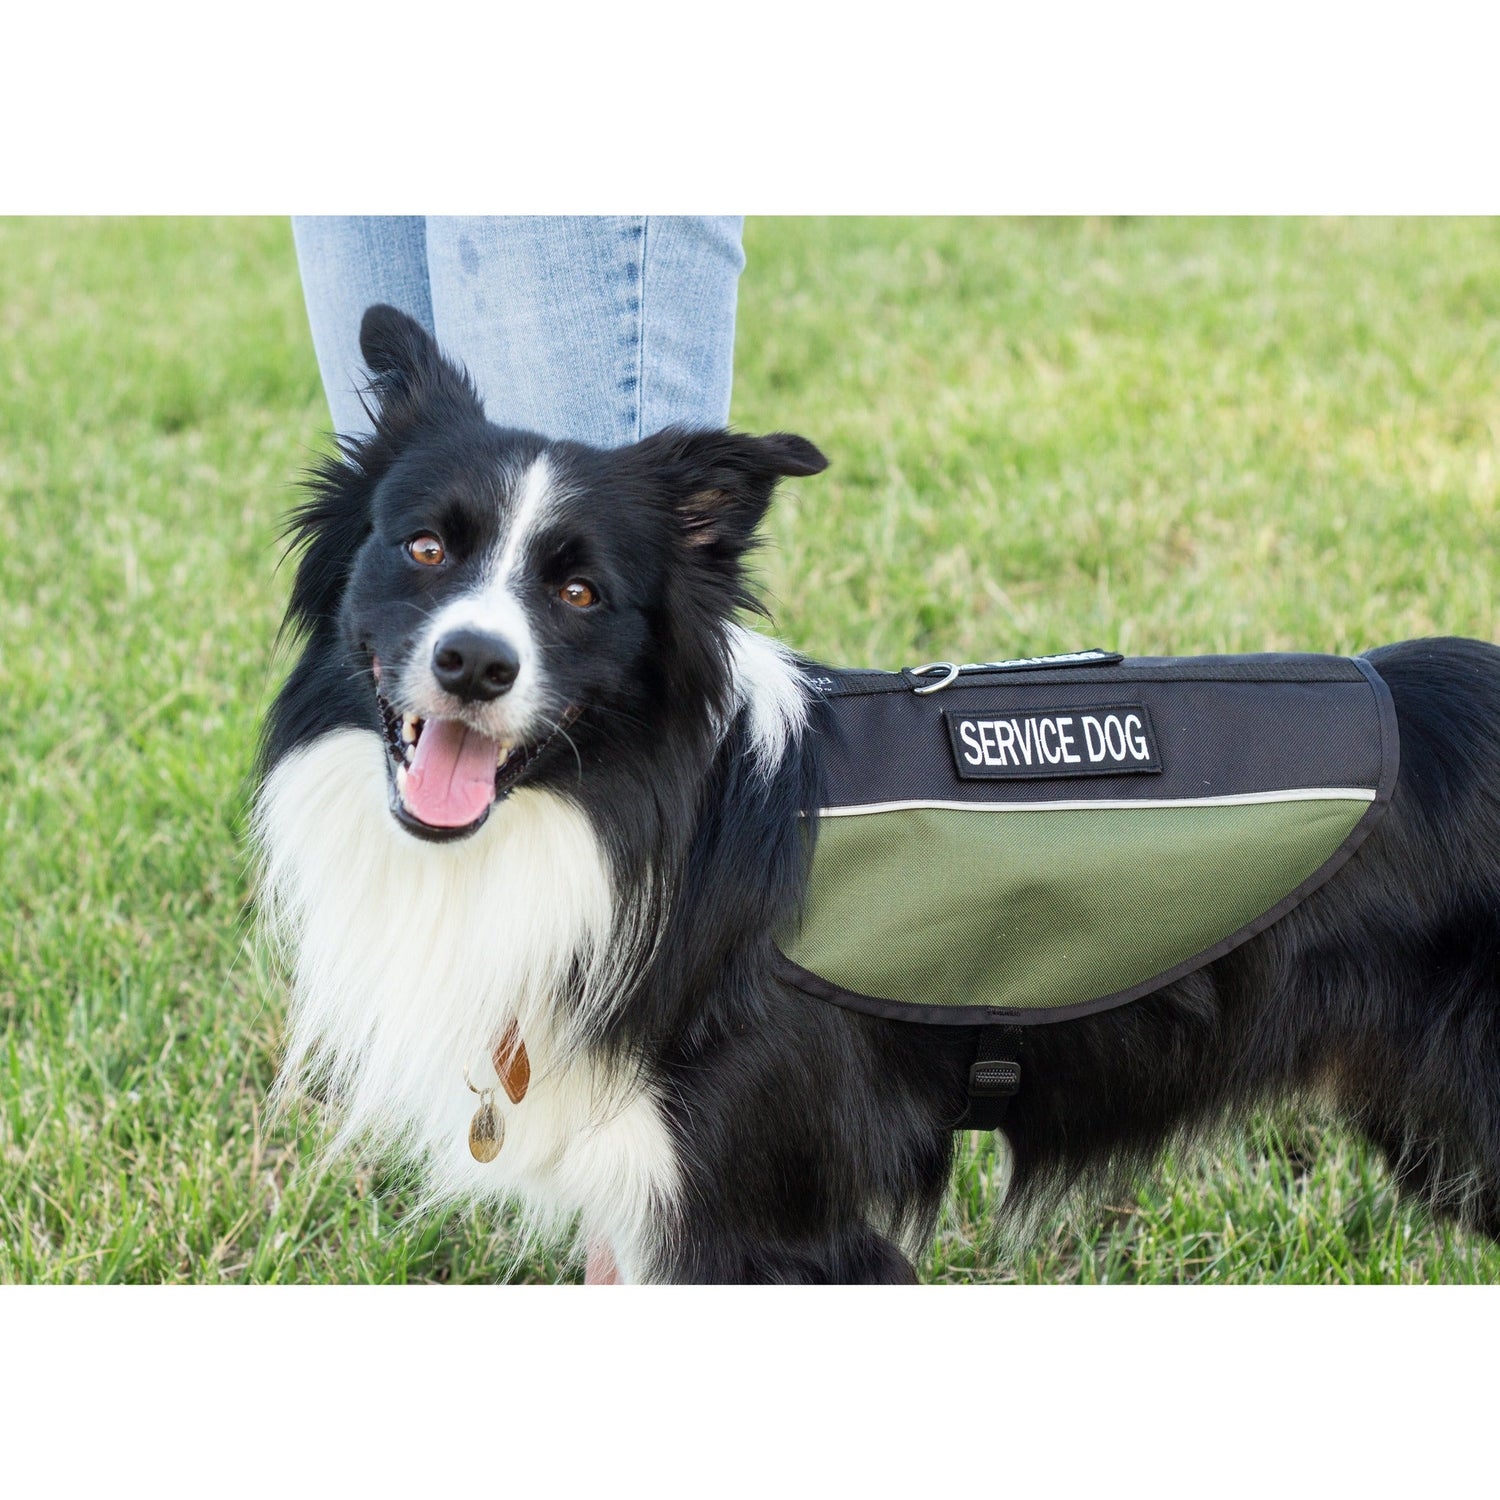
<point x="446" y="776"/>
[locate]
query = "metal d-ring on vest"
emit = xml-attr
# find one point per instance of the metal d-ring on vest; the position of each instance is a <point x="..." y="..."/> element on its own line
<point x="949" y="667"/>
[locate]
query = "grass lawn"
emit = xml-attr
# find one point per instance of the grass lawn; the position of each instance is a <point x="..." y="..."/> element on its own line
<point x="1163" y="436"/>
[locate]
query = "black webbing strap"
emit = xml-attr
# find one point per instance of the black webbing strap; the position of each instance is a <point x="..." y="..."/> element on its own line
<point x="994" y="1077"/>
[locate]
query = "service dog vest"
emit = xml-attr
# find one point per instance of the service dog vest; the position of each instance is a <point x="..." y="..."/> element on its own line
<point x="1009" y="843"/>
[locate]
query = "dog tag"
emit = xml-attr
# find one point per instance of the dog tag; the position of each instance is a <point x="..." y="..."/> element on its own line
<point x="486" y="1129"/>
<point x="512" y="1066"/>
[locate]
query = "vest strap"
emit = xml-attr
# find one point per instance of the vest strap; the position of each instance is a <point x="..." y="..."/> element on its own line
<point x="994" y="1077"/>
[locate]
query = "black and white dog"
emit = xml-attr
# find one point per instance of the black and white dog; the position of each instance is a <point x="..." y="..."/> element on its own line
<point x="531" y="785"/>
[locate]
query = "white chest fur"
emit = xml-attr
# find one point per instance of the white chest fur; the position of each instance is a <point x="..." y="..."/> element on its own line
<point x="410" y="959"/>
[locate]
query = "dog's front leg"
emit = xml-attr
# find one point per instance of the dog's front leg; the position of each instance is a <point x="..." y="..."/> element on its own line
<point x="860" y="1257"/>
<point x="856" y="1256"/>
<point x="600" y="1268"/>
<point x="867" y="1259"/>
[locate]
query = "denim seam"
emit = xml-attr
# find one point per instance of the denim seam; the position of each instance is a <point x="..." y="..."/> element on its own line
<point x="637" y="308"/>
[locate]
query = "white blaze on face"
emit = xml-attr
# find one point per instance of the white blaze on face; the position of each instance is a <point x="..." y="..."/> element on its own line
<point x="496" y="606"/>
<point x="536" y="497"/>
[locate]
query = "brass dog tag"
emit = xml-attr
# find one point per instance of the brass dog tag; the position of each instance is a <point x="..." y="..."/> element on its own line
<point x="513" y="1069"/>
<point x="512" y="1066"/>
<point x="486" y="1129"/>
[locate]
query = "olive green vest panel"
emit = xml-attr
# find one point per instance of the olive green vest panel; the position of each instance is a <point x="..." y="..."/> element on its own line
<point x="1030" y="897"/>
<point x="1047" y="909"/>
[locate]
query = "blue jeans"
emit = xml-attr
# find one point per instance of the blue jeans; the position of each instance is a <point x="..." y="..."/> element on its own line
<point x="602" y="330"/>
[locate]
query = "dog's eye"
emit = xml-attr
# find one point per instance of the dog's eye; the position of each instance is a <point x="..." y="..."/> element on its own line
<point x="579" y="594"/>
<point x="426" y="549"/>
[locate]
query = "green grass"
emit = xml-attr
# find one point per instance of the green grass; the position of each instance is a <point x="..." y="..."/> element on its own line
<point x="1172" y="436"/>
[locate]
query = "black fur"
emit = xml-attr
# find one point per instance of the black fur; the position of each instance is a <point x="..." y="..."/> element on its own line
<point x="812" y="1138"/>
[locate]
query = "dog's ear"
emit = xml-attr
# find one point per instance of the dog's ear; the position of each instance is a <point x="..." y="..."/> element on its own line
<point x="720" y="483"/>
<point x="408" y="371"/>
<point x="395" y="344"/>
<point x="410" y="383"/>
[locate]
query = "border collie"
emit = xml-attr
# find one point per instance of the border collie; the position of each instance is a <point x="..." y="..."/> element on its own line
<point x="531" y="807"/>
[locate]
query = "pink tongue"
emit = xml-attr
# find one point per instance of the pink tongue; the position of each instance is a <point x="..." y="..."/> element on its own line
<point x="451" y="779"/>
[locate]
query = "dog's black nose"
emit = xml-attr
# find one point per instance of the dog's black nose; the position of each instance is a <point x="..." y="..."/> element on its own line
<point x="474" y="666"/>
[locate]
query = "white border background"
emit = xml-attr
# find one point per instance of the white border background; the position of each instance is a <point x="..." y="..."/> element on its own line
<point x="790" y="106"/>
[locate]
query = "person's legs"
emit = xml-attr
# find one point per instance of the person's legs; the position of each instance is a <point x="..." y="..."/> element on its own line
<point x="347" y="263"/>
<point x="692" y="274"/>
<point x="600" y="329"/>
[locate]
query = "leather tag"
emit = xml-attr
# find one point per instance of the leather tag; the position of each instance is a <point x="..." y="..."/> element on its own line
<point x="512" y="1066"/>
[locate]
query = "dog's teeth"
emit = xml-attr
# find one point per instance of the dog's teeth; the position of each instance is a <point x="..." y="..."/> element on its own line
<point x="409" y="728"/>
<point x="401" y="780"/>
<point x="502" y="756"/>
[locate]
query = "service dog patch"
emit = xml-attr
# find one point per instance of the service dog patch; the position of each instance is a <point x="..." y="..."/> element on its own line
<point x="1114" y="740"/>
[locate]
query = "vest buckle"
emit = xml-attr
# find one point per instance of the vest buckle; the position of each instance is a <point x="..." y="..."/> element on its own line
<point x="994" y="1078"/>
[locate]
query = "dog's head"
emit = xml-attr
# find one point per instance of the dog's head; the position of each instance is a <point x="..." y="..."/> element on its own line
<point x="516" y="606"/>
